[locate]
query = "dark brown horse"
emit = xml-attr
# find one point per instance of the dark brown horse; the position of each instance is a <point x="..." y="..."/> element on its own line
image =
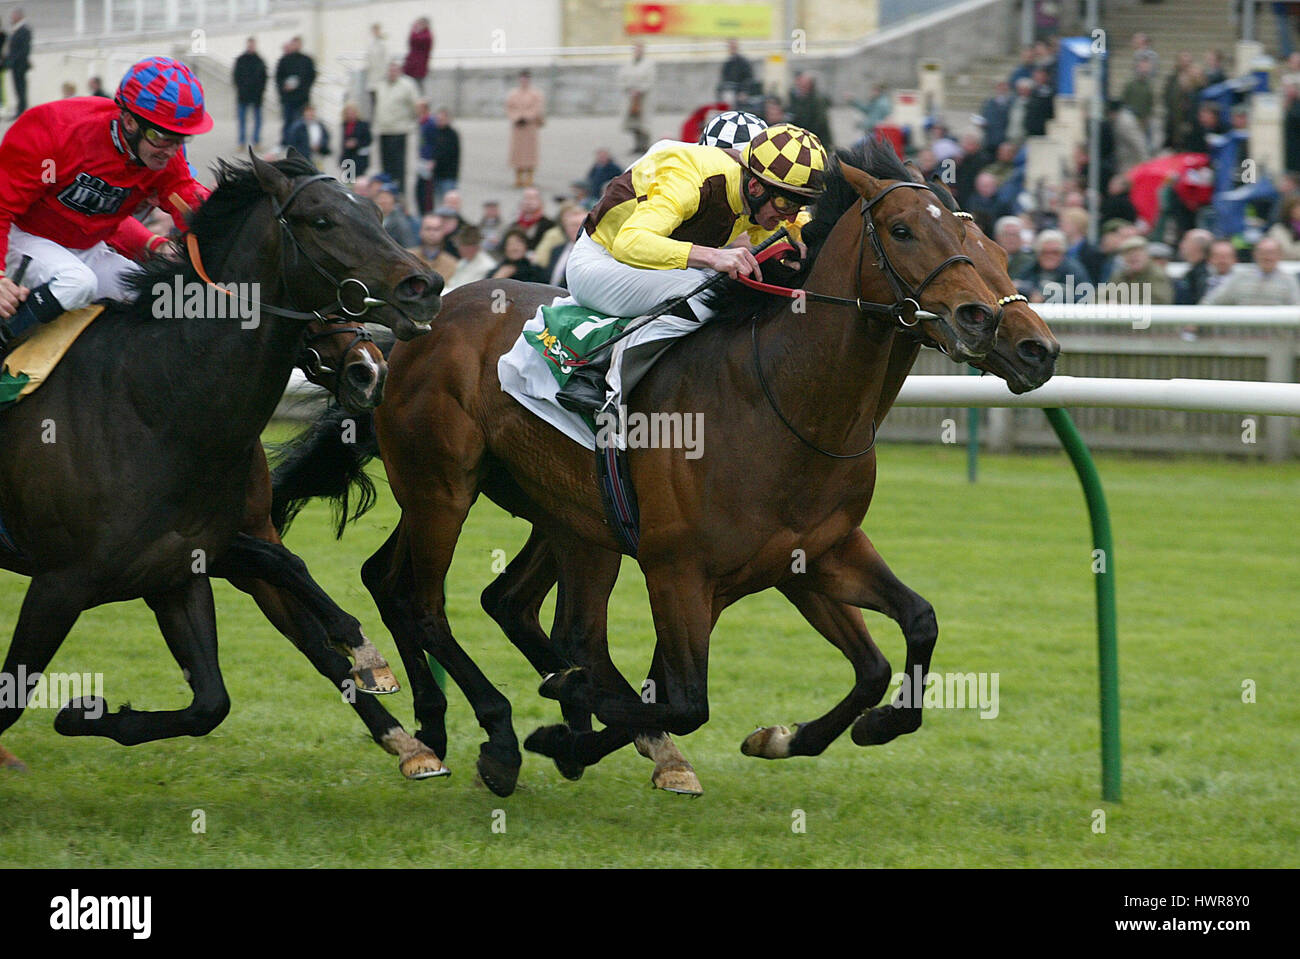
<point x="126" y="475"/>
<point x="713" y="529"/>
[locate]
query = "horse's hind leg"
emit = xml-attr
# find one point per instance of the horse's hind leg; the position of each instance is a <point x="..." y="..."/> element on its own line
<point x="188" y="621"/>
<point x="50" y="608"/>
<point x="844" y="627"/>
<point x="854" y="573"/>
<point x="273" y="562"/>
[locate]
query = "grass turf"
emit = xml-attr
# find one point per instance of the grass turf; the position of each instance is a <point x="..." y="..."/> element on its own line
<point x="1207" y="570"/>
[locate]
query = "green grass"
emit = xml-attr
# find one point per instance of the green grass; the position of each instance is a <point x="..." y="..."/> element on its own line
<point x="1208" y="569"/>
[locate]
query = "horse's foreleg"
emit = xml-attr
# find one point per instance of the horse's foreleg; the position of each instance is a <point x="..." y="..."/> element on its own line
<point x="844" y="627"/>
<point x="681" y="602"/>
<point x="420" y="755"/>
<point x="50" y="608"/>
<point x="854" y="573"/>
<point x="188" y="621"/>
<point x="272" y="562"/>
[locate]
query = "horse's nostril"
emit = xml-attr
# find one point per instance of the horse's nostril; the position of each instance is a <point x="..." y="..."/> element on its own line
<point x="360" y="375"/>
<point x="1031" y="350"/>
<point x="420" y="286"/>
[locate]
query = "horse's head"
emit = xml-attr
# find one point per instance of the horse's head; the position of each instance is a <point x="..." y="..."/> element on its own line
<point x="1025" y="351"/>
<point x="331" y="237"/>
<point x="920" y="248"/>
<point x="345" y="359"/>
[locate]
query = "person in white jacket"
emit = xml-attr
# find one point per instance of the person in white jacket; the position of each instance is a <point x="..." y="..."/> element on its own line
<point x="396" y="114"/>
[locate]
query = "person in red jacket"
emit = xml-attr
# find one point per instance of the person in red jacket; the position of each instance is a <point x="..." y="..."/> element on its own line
<point x="71" y="174"/>
<point x="419" y="49"/>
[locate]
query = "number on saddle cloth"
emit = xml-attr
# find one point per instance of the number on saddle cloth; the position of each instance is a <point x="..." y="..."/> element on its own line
<point x="569" y="335"/>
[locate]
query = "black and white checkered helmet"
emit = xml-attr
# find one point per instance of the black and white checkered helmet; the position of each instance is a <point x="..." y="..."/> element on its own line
<point x="731" y="130"/>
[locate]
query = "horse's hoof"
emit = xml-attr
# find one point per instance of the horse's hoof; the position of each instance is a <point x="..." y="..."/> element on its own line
<point x="498" y="774"/>
<point x="677" y="778"/>
<point x="770" y="742"/>
<point x="78" y="716"/>
<point x="423" y="765"/>
<point x="873" y="728"/>
<point x="378" y="681"/>
<point x="564" y="685"/>
<point x="556" y="742"/>
<point x="549" y="741"/>
<point x="572" y="771"/>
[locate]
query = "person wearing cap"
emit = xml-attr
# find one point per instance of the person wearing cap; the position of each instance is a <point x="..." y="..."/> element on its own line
<point x="71" y="174"/>
<point x="1137" y="269"/>
<point x="662" y="225"/>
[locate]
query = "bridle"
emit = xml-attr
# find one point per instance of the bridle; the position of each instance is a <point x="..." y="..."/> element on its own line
<point x="361" y="302"/>
<point x="1002" y="302"/>
<point x="898" y="310"/>
<point x="313" y="364"/>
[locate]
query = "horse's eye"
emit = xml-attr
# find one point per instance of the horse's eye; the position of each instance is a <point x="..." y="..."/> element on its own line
<point x="901" y="233"/>
<point x="322" y="223"/>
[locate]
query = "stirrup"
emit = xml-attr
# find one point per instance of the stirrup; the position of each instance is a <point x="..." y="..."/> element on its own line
<point x="585" y="392"/>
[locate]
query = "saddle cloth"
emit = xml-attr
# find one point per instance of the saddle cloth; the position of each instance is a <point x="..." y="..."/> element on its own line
<point x="539" y="364"/>
<point x="30" y="363"/>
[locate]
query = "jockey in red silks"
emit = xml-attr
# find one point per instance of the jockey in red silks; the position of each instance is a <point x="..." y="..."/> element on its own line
<point x="72" y="173"/>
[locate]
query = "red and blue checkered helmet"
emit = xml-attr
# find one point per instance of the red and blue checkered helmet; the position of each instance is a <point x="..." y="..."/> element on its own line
<point x="165" y="93"/>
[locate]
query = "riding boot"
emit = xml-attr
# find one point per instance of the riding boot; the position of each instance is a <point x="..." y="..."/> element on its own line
<point x="586" y="390"/>
<point x="39" y="307"/>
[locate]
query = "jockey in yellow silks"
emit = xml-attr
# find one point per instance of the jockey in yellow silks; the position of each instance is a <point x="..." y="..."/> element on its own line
<point x="662" y="225"/>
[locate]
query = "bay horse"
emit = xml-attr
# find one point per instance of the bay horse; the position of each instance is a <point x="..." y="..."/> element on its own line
<point x="713" y="529"/>
<point x="1024" y="355"/>
<point x="126" y="474"/>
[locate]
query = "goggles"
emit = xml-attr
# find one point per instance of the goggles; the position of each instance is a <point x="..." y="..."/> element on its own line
<point x="786" y="205"/>
<point x="162" y="139"/>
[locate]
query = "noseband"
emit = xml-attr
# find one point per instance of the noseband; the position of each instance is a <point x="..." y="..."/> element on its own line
<point x="313" y="364"/>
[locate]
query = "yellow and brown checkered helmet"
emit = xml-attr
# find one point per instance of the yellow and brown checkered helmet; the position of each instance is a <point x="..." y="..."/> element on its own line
<point x="789" y="158"/>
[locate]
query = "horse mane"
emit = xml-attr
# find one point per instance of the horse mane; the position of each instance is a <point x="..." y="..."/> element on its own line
<point x="217" y="222"/>
<point x="735" y="301"/>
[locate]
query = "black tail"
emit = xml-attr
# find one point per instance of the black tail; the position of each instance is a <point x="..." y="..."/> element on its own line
<point x="327" y="459"/>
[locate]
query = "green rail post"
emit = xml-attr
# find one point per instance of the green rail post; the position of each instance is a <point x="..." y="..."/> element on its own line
<point x="1107" y="642"/>
<point x="972" y="437"/>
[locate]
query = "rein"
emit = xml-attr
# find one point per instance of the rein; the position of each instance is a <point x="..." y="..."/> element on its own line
<point x="903" y="293"/>
<point x="278" y="210"/>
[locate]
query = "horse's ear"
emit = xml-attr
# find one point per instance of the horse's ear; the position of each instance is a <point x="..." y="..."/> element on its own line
<point x="864" y="184"/>
<point x="273" y="181"/>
